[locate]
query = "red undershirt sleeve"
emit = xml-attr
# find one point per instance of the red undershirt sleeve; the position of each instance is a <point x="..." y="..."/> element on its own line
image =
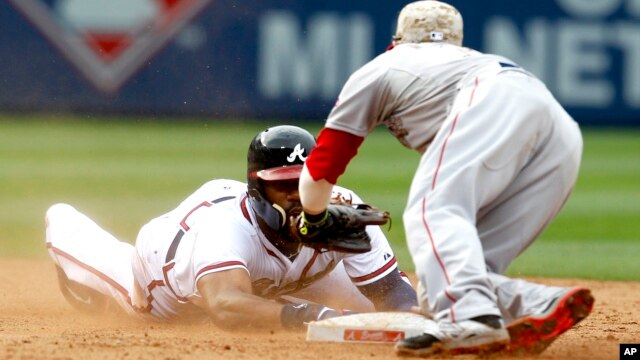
<point x="334" y="149"/>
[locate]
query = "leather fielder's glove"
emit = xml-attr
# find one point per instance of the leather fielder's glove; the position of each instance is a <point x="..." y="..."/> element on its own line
<point x="342" y="228"/>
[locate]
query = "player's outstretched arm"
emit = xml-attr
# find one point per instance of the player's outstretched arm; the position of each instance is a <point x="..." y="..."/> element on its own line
<point x="231" y="305"/>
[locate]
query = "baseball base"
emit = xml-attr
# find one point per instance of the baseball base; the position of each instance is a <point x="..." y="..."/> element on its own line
<point x="377" y="327"/>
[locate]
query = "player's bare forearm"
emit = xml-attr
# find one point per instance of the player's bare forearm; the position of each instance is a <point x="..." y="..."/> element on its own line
<point x="241" y="310"/>
<point x="231" y="304"/>
<point x="314" y="195"/>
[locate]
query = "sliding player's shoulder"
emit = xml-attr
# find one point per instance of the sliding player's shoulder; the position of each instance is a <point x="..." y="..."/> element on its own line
<point x="342" y="194"/>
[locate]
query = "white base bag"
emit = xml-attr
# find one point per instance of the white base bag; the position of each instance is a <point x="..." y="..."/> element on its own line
<point x="376" y="327"/>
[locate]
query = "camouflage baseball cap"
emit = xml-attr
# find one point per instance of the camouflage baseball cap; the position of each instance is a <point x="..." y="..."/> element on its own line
<point x="429" y="21"/>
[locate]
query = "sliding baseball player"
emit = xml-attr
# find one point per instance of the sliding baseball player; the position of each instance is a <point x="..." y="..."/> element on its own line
<point x="226" y="253"/>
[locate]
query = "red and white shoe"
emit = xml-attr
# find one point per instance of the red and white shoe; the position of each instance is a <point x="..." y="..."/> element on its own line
<point x="533" y="334"/>
<point x="482" y="335"/>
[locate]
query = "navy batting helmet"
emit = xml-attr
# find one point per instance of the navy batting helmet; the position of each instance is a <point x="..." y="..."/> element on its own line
<point x="275" y="154"/>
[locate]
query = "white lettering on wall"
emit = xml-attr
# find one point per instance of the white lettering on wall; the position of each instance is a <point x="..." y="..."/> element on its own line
<point x="313" y="62"/>
<point x="357" y="43"/>
<point x="574" y="56"/>
<point x="501" y="36"/>
<point x="628" y="35"/>
<point x="583" y="63"/>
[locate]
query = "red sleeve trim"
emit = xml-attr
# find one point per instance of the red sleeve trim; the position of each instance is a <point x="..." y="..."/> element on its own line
<point x="376" y="273"/>
<point x="334" y="149"/>
<point x="227" y="264"/>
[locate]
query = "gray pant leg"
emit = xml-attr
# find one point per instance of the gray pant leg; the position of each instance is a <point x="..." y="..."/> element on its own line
<point x="518" y="216"/>
<point x="518" y="298"/>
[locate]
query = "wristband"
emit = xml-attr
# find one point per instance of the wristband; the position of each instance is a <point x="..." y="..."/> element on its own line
<point x="316" y="219"/>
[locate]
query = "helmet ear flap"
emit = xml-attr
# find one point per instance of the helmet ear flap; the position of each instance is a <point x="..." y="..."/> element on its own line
<point x="283" y="214"/>
<point x="272" y="214"/>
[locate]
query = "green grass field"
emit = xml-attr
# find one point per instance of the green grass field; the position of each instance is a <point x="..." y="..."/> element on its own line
<point x="123" y="173"/>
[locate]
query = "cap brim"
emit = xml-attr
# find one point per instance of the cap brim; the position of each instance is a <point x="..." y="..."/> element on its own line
<point x="280" y="173"/>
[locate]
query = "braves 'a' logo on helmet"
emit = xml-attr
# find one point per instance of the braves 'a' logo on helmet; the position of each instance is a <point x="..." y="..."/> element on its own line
<point x="298" y="152"/>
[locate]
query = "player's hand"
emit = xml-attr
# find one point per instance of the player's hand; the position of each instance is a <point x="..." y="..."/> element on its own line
<point x="329" y="313"/>
<point x="296" y="316"/>
<point x="340" y="228"/>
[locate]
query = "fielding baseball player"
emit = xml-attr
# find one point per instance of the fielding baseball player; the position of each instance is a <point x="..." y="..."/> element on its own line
<point x="499" y="159"/>
<point x="227" y="253"/>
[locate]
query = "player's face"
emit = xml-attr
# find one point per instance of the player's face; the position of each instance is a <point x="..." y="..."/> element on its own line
<point x="283" y="193"/>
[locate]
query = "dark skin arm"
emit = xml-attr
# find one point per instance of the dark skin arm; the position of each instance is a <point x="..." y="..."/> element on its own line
<point x="391" y="293"/>
<point x="231" y="304"/>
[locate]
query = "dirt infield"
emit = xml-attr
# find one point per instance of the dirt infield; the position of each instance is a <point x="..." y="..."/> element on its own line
<point x="37" y="323"/>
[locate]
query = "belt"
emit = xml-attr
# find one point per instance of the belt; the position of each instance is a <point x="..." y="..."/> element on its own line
<point x="505" y="65"/>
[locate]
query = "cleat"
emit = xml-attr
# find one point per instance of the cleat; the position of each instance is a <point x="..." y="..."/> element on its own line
<point x="481" y="335"/>
<point x="533" y="334"/>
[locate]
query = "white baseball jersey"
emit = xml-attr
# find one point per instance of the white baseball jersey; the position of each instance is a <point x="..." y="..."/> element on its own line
<point x="213" y="230"/>
<point x="499" y="159"/>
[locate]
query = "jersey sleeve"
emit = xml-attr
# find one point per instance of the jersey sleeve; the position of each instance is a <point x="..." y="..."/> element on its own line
<point x="334" y="149"/>
<point x="356" y="113"/>
<point x="371" y="266"/>
<point x="360" y="102"/>
<point x="223" y="247"/>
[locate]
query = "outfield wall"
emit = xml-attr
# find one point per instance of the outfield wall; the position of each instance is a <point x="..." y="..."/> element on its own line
<point x="288" y="59"/>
